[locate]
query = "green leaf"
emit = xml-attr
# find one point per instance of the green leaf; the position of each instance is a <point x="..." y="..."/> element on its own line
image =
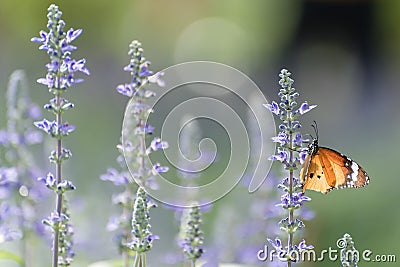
<point x="11" y="256"/>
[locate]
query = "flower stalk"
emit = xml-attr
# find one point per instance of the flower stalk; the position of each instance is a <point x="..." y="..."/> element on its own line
<point x="60" y="76"/>
<point x="135" y="238"/>
<point x="18" y="170"/>
<point x="291" y="153"/>
<point x="191" y="236"/>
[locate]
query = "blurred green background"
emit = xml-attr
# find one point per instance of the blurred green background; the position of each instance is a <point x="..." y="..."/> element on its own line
<point x="344" y="56"/>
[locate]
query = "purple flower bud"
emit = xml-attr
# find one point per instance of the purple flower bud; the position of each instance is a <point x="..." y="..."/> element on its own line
<point x="273" y="107"/>
<point x="53" y="66"/>
<point x="65" y="185"/>
<point x="48" y="81"/>
<point x="157" y="168"/>
<point x="128" y="68"/>
<point x="125" y="89"/>
<point x="144" y="71"/>
<point x="66" y="129"/>
<point x="49" y="180"/>
<point x="42" y="39"/>
<point x="277" y="244"/>
<point x="157" y="144"/>
<point x="148" y="129"/>
<point x="73" y="34"/>
<point x="304" y="108"/>
<point x="281" y="156"/>
<point x="45" y="125"/>
<point x="298" y="141"/>
<point x="303" y="154"/>
<point x="79" y="65"/>
<point x="282" y="138"/>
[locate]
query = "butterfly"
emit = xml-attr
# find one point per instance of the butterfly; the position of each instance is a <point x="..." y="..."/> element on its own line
<point x="325" y="169"/>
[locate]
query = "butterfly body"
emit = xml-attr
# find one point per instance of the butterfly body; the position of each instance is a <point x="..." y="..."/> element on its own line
<point x="325" y="169"/>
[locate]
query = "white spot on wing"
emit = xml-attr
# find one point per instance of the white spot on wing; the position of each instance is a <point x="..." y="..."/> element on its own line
<point x="354" y="169"/>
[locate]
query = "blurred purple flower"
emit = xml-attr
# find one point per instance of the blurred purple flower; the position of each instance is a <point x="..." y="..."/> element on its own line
<point x="113" y="224"/>
<point x="3" y="137"/>
<point x="148" y="129"/>
<point x="115" y="177"/>
<point x="66" y="129"/>
<point x="156" y="78"/>
<point x="157" y="144"/>
<point x="33" y="137"/>
<point x="9" y="234"/>
<point x="8" y="175"/>
<point x="157" y="168"/>
<point x="144" y="69"/>
<point x="34" y="111"/>
<point x="8" y="230"/>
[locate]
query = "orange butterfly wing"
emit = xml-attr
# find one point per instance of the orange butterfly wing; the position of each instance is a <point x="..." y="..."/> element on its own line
<point x="327" y="169"/>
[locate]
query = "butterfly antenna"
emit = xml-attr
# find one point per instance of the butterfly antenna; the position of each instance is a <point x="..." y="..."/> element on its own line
<point x="315" y="127"/>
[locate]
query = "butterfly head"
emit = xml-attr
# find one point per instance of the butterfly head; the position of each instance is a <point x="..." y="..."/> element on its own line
<point x="313" y="146"/>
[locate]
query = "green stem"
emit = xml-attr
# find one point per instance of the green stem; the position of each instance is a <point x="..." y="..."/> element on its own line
<point x="136" y="263"/>
<point x="125" y="256"/>
<point x="143" y="260"/>
<point x="127" y="213"/>
<point x="58" y="179"/>
<point x="24" y="241"/>
<point x="143" y="153"/>
<point x="290" y="237"/>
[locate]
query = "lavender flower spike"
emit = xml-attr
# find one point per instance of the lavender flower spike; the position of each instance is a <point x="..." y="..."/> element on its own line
<point x="290" y="154"/>
<point x="61" y="75"/>
<point x="192" y="237"/>
<point x="133" y="228"/>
